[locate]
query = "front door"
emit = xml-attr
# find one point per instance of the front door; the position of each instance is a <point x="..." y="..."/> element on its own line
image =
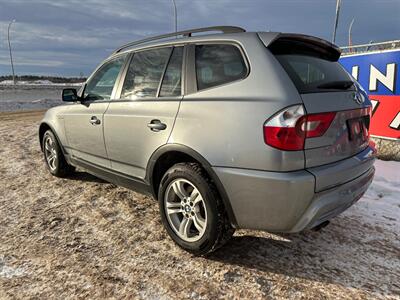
<point x="84" y="120"/>
<point x="142" y="119"/>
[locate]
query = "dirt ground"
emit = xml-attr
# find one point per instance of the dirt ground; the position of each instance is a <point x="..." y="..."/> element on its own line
<point x="82" y="237"/>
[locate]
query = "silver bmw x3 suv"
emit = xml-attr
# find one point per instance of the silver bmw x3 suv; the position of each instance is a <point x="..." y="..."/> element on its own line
<point x="226" y="129"/>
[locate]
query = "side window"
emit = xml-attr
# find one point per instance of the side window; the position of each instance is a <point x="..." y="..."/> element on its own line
<point x="102" y="83"/>
<point x="171" y="85"/>
<point x="144" y="73"/>
<point x="218" y="64"/>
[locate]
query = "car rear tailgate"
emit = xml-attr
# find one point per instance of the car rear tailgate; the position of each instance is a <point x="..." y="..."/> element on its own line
<point x="340" y="172"/>
<point x="338" y="110"/>
<point x="336" y="144"/>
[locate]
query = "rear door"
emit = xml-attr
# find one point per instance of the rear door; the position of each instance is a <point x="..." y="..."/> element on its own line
<point x="325" y="87"/>
<point x="142" y="118"/>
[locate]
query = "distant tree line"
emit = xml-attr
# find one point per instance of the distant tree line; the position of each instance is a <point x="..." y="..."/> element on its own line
<point x="53" y="79"/>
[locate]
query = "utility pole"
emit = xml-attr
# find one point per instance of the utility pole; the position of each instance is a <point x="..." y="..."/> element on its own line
<point x="9" y="47"/>
<point x="175" y="16"/>
<point x="338" y="2"/>
<point x="350" y="28"/>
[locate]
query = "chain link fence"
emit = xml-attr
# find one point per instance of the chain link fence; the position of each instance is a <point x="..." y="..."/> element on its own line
<point x="387" y="149"/>
<point x="370" y="47"/>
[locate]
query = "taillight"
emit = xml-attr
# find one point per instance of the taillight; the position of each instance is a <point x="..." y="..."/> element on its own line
<point x="317" y="124"/>
<point x="288" y="129"/>
<point x="284" y="131"/>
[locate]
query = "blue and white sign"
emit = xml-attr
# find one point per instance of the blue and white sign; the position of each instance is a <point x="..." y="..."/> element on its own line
<point x="378" y="73"/>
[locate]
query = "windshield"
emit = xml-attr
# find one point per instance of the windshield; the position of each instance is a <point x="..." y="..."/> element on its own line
<point x="314" y="75"/>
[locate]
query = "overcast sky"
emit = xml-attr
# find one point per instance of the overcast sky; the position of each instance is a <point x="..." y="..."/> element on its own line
<point x="66" y="37"/>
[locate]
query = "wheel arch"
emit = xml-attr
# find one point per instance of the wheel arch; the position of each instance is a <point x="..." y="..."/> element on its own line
<point x="43" y="127"/>
<point x="168" y="155"/>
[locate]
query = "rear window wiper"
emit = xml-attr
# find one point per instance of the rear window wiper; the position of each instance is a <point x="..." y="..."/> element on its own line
<point x="340" y="85"/>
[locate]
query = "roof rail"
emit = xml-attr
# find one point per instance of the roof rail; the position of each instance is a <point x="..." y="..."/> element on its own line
<point x="185" y="33"/>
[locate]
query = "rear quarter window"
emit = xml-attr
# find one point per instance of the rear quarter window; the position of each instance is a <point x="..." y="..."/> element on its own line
<point x="218" y="64"/>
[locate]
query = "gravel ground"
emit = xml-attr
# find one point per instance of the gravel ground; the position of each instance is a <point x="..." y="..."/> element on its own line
<point x="82" y="237"/>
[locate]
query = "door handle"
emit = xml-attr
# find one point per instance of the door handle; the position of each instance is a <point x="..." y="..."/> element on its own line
<point x="94" y="121"/>
<point x="156" y="125"/>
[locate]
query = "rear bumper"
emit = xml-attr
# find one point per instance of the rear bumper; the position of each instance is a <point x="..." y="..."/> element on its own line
<point x="330" y="203"/>
<point x="291" y="202"/>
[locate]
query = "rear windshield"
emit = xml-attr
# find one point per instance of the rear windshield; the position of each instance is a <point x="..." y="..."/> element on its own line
<point x="315" y="75"/>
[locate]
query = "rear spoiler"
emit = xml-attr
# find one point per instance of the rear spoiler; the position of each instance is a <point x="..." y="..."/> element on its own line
<point x="293" y="43"/>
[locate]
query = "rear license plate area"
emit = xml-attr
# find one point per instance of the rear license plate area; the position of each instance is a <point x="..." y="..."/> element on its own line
<point x="358" y="129"/>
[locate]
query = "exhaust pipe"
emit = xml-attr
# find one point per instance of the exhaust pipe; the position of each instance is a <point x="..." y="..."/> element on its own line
<point x="320" y="226"/>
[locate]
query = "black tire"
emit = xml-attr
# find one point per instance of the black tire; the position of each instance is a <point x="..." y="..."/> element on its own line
<point x="218" y="229"/>
<point x="60" y="167"/>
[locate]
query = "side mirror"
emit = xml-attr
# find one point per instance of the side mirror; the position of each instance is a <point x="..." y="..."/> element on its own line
<point x="70" y="95"/>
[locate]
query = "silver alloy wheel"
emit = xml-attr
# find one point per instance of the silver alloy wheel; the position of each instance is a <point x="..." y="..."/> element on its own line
<point x="50" y="153"/>
<point x="185" y="210"/>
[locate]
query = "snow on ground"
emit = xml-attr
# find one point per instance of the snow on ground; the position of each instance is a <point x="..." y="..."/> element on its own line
<point x="382" y="200"/>
<point x="37" y="83"/>
<point x="9" y="272"/>
<point x="31" y="96"/>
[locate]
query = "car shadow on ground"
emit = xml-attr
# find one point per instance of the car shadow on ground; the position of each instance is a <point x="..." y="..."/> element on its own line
<point x="84" y="176"/>
<point x="314" y="256"/>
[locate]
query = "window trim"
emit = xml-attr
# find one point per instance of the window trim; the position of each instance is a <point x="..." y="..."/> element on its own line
<point x="165" y="71"/>
<point x="191" y="70"/>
